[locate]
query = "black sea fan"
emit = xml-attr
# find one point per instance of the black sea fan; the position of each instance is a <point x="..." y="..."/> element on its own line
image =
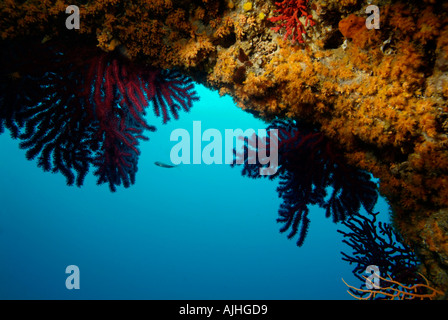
<point x="311" y="172"/>
<point x="375" y="243"/>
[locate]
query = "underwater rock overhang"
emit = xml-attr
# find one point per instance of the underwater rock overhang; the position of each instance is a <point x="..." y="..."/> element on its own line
<point x="380" y="94"/>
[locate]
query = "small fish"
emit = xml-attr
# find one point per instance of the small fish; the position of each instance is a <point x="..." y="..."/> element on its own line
<point x="164" y="165"/>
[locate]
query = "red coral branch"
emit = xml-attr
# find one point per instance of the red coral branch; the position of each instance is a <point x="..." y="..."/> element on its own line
<point x="290" y="12"/>
<point x="173" y="91"/>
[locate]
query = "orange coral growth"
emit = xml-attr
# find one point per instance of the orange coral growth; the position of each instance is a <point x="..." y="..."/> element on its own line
<point x="225" y="67"/>
<point x="193" y="51"/>
<point x="352" y="25"/>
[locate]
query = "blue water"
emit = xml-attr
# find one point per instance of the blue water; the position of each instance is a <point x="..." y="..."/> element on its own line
<point x="190" y="232"/>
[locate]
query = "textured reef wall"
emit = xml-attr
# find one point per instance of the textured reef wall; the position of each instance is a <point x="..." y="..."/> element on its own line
<point x="380" y="94"/>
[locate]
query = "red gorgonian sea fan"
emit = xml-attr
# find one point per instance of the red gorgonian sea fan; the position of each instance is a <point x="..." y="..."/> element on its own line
<point x="74" y="106"/>
<point x="290" y="12"/>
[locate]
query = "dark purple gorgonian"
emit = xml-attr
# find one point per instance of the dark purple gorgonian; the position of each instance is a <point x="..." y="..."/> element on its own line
<point x="375" y="243"/>
<point x="311" y="172"/>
